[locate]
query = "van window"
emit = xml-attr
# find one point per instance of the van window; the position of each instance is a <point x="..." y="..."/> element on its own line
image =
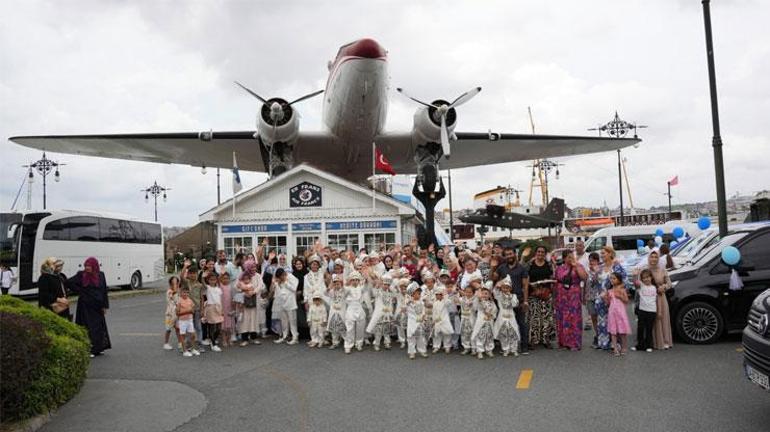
<point x="627" y="242"/>
<point x="756" y="253"/>
<point x="596" y="244"/>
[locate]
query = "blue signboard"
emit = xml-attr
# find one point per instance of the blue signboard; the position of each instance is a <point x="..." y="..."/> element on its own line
<point x="308" y="226"/>
<point x="361" y="225"/>
<point x="255" y="228"/>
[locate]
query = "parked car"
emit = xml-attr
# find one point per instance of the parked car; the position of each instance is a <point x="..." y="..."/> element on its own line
<point x="703" y="307"/>
<point x="756" y="342"/>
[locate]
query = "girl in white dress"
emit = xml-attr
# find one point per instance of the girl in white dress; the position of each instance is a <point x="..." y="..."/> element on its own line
<point x="316" y="316"/>
<point x="468" y="304"/>
<point x="506" y="328"/>
<point x="483" y="330"/>
<point x="336" y="323"/>
<point x="428" y="296"/>
<point x="442" y="326"/>
<point x="355" y="317"/>
<point x="251" y="287"/>
<point x="415" y="330"/>
<point x="382" y="317"/>
<point x="314" y="281"/>
<point x="285" y="303"/>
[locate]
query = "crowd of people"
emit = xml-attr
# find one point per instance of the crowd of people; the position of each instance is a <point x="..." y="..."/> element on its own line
<point x="434" y="299"/>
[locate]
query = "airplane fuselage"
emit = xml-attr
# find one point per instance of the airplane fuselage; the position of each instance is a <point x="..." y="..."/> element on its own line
<point x="355" y="102"/>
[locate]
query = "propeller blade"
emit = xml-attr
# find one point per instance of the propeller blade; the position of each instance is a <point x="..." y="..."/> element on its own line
<point x="400" y="90"/>
<point x="307" y="96"/>
<point x="444" y="136"/>
<point x="465" y="97"/>
<point x="260" y="98"/>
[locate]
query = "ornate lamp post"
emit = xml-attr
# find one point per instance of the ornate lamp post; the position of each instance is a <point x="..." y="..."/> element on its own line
<point x="617" y="128"/>
<point x="155" y="190"/>
<point x="545" y="166"/>
<point x="44" y="166"/>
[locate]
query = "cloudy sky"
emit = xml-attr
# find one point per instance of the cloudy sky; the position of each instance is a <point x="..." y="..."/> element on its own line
<point x="120" y="67"/>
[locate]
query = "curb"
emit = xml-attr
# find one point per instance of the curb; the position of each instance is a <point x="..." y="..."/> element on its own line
<point x="29" y="425"/>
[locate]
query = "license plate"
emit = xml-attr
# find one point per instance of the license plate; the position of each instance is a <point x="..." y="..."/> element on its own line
<point x="758" y="377"/>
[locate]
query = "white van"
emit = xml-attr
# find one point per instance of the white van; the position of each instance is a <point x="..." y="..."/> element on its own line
<point x="623" y="239"/>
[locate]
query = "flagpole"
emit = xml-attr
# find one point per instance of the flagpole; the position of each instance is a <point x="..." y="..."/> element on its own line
<point x="374" y="150"/>
<point x="234" y="191"/>
<point x="669" y="200"/>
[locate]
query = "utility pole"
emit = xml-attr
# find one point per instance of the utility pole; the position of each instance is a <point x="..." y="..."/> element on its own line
<point x="617" y="128"/>
<point x="44" y="166"/>
<point x="155" y="190"/>
<point x="716" y="141"/>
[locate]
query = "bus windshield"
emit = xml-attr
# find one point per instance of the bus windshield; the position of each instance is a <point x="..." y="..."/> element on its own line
<point x="9" y="226"/>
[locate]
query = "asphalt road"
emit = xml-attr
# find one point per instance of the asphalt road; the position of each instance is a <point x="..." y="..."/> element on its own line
<point x="137" y="386"/>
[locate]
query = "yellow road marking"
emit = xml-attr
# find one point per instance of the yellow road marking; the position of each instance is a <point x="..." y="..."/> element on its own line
<point x="525" y="377"/>
<point x="140" y="334"/>
<point x="739" y="349"/>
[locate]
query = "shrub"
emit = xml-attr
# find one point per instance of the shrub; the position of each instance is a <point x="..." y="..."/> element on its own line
<point x="59" y="370"/>
<point x="24" y="343"/>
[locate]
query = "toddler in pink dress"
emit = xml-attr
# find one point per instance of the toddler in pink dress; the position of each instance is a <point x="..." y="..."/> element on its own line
<point x="617" y="318"/>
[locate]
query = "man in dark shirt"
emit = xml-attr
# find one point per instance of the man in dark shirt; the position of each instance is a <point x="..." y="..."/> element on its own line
<point x="520" y="283"/>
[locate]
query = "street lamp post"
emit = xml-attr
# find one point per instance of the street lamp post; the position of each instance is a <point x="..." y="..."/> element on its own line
<point x="44" y="166"/>
<point x="155" y="190"/>
<point x="546" y="166"/>
<point x="617" y="128"/>
<point x="716" y="141"/>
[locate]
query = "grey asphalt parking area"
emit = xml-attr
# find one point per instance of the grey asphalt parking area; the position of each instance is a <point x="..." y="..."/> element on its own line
<point x="295" y="388"/>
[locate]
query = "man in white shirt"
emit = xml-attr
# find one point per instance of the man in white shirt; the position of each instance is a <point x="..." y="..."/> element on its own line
<point x="6" y="278"/>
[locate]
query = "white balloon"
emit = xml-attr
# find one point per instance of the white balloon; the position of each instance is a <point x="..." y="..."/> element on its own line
<point x="658" y="240"/>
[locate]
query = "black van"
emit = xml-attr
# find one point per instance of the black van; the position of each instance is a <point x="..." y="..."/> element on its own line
<point x="703" y="307"/>
<point x="756" y="342"/>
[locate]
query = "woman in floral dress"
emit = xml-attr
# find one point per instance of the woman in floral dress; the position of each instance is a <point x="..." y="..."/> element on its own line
<point x="568" y="311"/>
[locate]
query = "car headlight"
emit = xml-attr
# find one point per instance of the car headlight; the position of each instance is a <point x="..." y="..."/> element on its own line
<point x="674" y="283"/>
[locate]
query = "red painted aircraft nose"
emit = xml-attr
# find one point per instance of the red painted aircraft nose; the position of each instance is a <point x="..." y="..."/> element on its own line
<point x="366" y="48"/>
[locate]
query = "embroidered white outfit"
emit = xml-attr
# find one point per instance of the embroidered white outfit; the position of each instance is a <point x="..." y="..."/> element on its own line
<point x="483" y="329"/>
<point x="336" y="323"/>
<point x="506" y="327"/>
<point x="285" y="303"/>
<point x="415" y="330"/>
<point x="316" y="317"/>
<point x="442" y="326"/>
<point x="314" y="284"/>
<point x="355" y="317"/>
<point x="382" y="317"/>
<point x="468" y="308"/>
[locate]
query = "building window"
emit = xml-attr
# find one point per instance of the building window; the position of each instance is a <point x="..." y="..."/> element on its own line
<point x="343" y="241"/>
<point x="277" y="244"/>
<point x="304" y="243"/>
<point x="372" y="242"/>
<point x="234" y="245"/>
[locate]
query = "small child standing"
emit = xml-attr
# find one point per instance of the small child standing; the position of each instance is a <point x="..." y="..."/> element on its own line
<point x="382" y="317"/>
<point x="442" y="325"/>
<point x="468" y="304"/>
<point x="401" y="316"/>
<point x="617" y="319"/>
<point x="506" y="327"/>
<point x="316" y="316"/>
<point x="184" y="313"/>
<point x="228" y="312"/>
<point x="172" y="298"/>
<point x="415" y="329"/>
<point x="647" y="293"/>
<point x="212" y="309"/>
<point x="336" y="323"/>
<point x="483" y="330"/>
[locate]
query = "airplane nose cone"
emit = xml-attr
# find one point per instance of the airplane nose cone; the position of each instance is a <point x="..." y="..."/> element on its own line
<point x="366" y="48"/>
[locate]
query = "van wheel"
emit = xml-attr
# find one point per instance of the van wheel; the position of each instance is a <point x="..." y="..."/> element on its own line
<point x="136" y="280"/>
<point x="699" y="323"/>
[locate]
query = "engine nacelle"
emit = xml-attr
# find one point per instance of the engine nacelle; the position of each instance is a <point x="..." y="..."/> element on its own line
<point x="277" y="122"/>
<point x="427" y="123"/>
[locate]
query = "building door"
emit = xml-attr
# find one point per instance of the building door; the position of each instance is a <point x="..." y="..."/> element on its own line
<point x="304" y="243"/>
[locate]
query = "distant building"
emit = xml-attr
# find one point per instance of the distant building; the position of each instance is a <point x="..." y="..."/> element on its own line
<point x="196" y="242"/>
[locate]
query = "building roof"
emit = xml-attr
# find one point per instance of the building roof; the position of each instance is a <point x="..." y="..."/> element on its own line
<point x="401" y="207"/>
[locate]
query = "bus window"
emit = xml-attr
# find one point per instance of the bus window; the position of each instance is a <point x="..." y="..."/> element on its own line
<point x="10" y="228"/>
<point x="110" y="230"/>
<point x="84" y="228"/>
<point x="57" y="230"/>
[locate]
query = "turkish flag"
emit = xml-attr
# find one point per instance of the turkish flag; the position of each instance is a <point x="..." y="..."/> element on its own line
<point x="674" y="181"/>
<point x="381" y="163"/>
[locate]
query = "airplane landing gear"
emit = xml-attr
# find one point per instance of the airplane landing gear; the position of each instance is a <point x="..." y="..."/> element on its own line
<point x="279" y="157"/>
<point x="425" y="189"/>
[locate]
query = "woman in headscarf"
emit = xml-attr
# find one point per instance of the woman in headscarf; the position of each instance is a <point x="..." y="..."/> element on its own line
<point x="662" y="338"/>
<point x="91" y="287"/>
<point x="299" y="270"/>
<point x="52" y="292"/>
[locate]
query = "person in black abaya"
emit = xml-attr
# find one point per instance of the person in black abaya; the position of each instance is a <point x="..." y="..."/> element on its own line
<point x="299" y="270"/>
<point x="91" y="287"/>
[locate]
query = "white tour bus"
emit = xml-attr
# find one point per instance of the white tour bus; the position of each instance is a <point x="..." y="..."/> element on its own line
<point x="130" y="251"/>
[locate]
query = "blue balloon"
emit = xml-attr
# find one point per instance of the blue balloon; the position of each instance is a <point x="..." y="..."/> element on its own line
<point x="678" y="232"/>
<point x="674" y="244"/>
<point x="639" y="243"/>
<point x="731" y="255"/>
<point x="659" y="232"/>
<point x="704" y="222"/>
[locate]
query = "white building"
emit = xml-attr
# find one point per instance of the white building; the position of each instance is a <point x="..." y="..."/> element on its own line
<point x="306" y="204"/>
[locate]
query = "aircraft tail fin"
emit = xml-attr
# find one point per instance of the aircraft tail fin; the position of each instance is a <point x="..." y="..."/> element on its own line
<point x="554" y="210"/>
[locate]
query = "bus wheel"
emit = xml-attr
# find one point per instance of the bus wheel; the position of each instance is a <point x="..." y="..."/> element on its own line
<point x="136" y="280"/>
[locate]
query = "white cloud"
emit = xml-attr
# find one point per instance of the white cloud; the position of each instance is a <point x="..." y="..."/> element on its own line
<point x="101" y="67"/>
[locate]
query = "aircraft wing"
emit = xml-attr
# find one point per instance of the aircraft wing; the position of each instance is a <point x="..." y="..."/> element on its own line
<point x="474" y="149"/>
<point x="179" y="148"/>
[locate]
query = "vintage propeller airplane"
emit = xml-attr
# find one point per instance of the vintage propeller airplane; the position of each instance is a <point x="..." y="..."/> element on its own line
<point x="355" y="105"/>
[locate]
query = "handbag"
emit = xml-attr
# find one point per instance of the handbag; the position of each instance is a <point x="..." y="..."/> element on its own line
<point x="61" y="304"/>
<point x="250" y="301"/>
